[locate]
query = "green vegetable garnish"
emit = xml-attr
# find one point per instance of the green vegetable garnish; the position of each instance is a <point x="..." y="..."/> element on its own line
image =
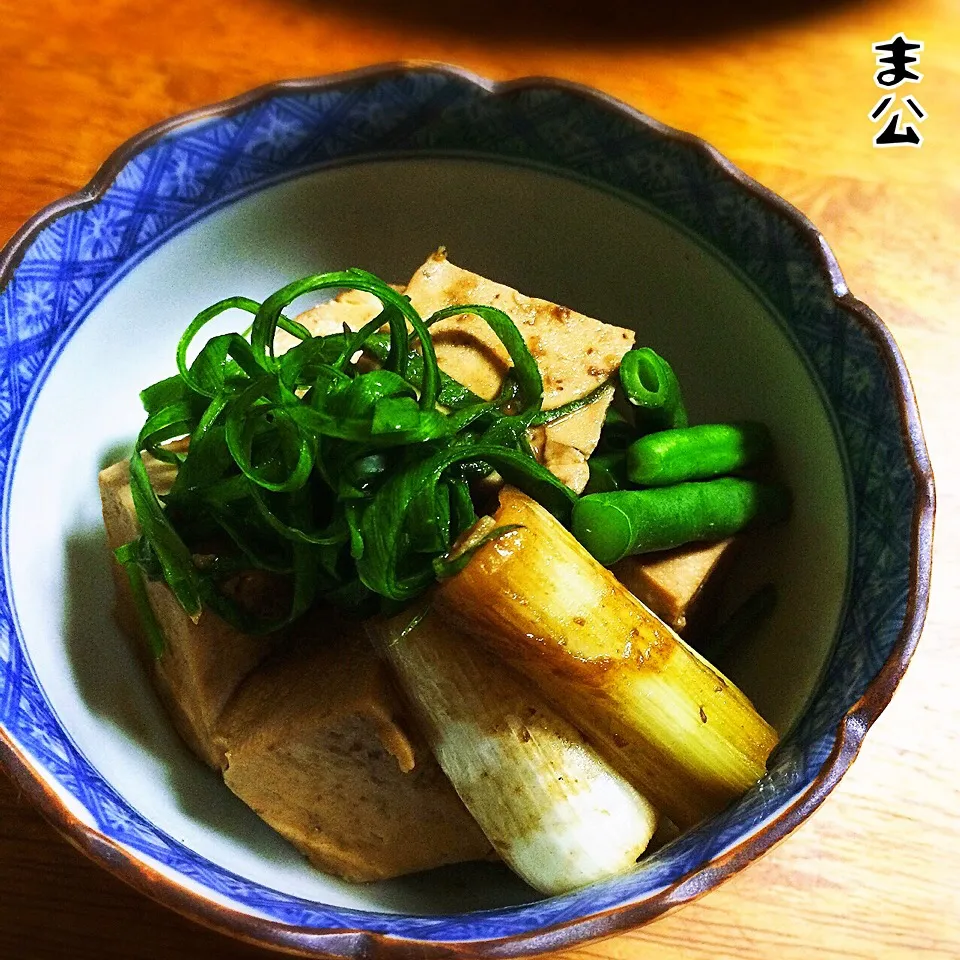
<point x="696" y="453"/>
<point x="624" y="522"/>
<point x="652" y="388"/>
<point x="345" y="485"/>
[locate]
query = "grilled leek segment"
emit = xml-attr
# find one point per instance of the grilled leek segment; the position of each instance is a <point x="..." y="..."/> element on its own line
<point x="557" y="813"/>
<point x="682" y="733"/>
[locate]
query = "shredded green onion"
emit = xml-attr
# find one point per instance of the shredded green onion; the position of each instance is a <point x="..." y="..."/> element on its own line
<point x="347" y="484"/>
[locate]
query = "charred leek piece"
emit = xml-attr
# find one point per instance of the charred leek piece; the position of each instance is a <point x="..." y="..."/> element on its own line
<point x="674" y="726"/>
<point x="558" y="814"/>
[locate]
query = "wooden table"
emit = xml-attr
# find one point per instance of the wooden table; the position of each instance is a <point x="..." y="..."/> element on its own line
<point x="875" y="873"/>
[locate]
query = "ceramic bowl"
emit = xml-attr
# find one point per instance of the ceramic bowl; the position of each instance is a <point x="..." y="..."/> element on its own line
<point x="563" y="193"/>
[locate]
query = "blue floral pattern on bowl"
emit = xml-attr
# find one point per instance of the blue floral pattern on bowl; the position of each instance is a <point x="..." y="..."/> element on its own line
<point x="194" y="166"/>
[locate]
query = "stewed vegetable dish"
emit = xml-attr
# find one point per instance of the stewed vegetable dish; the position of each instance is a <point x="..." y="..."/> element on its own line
<point x="412" y="569"/>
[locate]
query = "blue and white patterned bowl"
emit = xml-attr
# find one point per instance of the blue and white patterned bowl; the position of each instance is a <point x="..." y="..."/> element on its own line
<point x="563" y="193"/>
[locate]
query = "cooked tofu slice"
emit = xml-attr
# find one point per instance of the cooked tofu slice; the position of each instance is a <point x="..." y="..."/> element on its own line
<point x="675" y="583"/>
<point x="313" y="739"/>
<point x="203" y="663"/>
<point x="576" y="354"/>
<point x="566" y="463"/>
<point x="317" y="744"/>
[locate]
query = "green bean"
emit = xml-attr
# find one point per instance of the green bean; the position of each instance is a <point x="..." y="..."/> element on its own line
<point x="652" y="388"/>
<point x="696" y="453"/>
<point x="623" y="522"/>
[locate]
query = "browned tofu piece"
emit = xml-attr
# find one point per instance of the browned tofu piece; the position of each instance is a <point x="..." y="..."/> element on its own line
<point x="576" y="354"/>
<point x="566" y="463"/>
<point x="203" y="663"/>
<point x="317" y="744"/>
<point x="674" y="583"/>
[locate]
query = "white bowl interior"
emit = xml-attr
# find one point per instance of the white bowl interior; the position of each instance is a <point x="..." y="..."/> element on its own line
<point x="553" y="237"/>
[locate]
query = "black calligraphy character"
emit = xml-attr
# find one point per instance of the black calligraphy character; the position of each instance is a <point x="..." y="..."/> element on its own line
<point x="894" y="134"/>
<point x="898" y="62"/>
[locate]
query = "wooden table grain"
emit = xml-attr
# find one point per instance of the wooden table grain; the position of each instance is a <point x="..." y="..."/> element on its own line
<point x="875" y="873"/>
